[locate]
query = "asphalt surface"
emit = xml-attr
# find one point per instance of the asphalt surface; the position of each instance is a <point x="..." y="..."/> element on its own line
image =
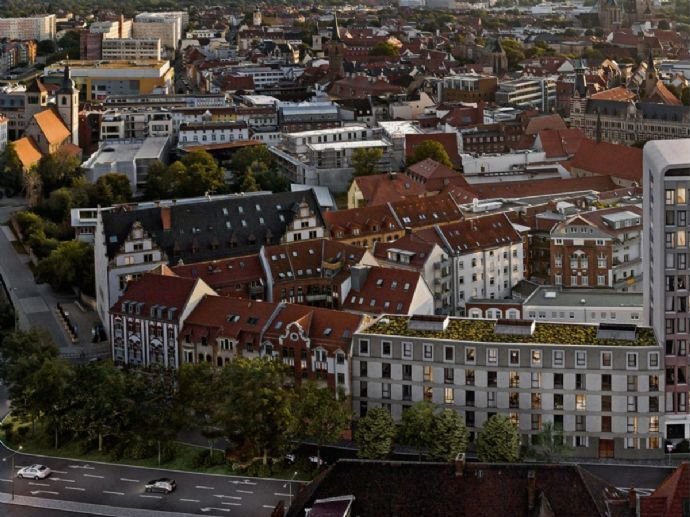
<point x="122" y="488"/>
<point x="7" y="510"/>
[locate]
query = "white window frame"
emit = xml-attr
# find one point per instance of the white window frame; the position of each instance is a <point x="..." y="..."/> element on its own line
<point x="580" y="353"/>
<point x="407" y="353"/>
<point x="628" y="356"/>
<point x="489" y="353"/>
<point x="510" y="357"/>
<point x="531" y="357"/>
<point x="430" y="348"/>
<point x="554" y="362"/>
<point x="649" y="360"/>
<point x="603" y="366"/>
<point x="474" y="349"/>
<point x="390" y="345"/>
<point x="360" y="342"/>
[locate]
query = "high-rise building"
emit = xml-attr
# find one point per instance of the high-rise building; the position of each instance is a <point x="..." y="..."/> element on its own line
<point x="665" y="250"/>
<point x="36" y="27"/>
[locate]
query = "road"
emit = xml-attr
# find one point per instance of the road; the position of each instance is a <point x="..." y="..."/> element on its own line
<point x="119" y="490"/>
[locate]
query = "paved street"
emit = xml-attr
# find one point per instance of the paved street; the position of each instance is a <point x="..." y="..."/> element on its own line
<point x="121" y="488"/>
<point x="7" y="510"/>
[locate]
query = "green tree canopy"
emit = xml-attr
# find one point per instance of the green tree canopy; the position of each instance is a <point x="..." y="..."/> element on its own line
<point x="384" y="48"/>
<point x="449" y="435"/>
<point x="249" y="183"/>
<point x="417" y="426"/>
<point x="69" y="265"/>
<point x="246" y="156"/>
<point x="498" y="441"/>
<point x="549" y="444"/>
<point x="430" y="149"/>
<point x="319" y="415"/>
<point x="158" y="181"/>
<point x="375" y="434"/>
<point x="11" y="170"/>
<point x="112" y="188"/>
<point x="514" y="52"/>
<point x="364" y="160"/>
<point x="57" y="170"/>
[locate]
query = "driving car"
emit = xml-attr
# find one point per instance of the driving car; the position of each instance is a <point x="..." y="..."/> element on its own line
<point x="164" y="485"/>
<point x="34" y="472"/>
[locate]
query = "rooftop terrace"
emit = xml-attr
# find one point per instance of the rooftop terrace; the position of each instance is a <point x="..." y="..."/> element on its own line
<point x="478" y="330"/>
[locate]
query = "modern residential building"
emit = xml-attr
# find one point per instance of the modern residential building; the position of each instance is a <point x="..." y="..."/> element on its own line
<point x="37" y="28"/>
<point x="467" y="88"/>
<point x="537" y="92"/>
<point x="131" y="49"/>
<point x="133" y="123"/>
<point x="212" y="133"/>
<point x="666" y="167"/>
<point x="602" y="385"/>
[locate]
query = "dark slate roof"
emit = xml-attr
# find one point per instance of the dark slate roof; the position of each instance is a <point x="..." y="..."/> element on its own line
<point x="649" y="110"/>
<point x="209" y="230"/>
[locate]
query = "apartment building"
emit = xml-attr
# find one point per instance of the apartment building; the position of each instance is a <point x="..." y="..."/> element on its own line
<point x="467" y="88"/>
<point x="601" y="248"/>
<point x="131" y="49"/>
<point x="602" y="385"/>
<point x="126" y="123"/>
<point x="666" y="182"/>
<point x="37" y="28"/>
<point x="535" y="92"/>
<point x="212" y="133"/>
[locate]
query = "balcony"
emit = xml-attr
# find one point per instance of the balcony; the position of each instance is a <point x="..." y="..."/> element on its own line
<point x="290" y="361"/>
<point x="320" y="365"/>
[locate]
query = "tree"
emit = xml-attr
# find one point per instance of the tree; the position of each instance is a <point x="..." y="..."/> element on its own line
<point x="58" y="170"/>
<point x="249" y="183"/>
<point x="256" y="404"/>
<point x="416" y="426"/>
<point x="272" y="181"/>
<point x="375" y="434"/>
<point x="11" y="170"/>
<point x="319" y="415"/>
<point x="158" y="181"/>
<point x="384" y="48"/>
<point x="112" y="188"/>
<point x="449" y="435"/>
<point x="245" y="157"/>
<point x="46" y="47"/>
<point x="430" y="149"/>
<point x="364" y="160"/>
<point x="50" y="392"/>
<point x="498" y="441"/>
<point x="514" y="52"/>
<point x="549" y="444"/>
<point x="68" y="265"/>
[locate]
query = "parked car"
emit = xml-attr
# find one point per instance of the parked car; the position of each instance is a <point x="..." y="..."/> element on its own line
<point x="34" y="472"/>
<point x="164" y="485"/>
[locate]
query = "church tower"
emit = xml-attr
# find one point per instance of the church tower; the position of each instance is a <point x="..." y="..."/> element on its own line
<point x="35" y="99"/>
<point x="651" y="78"/>
<point x="68" y="105"/>
<point x="336" y="51"/>
<point x="499" y="58"/>
<point x="580" y="89"/>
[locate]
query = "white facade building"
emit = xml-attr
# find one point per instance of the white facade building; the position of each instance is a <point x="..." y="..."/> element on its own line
<point x="35" y="27"/>
<point x="212" y="133"/>
<point x="131" y="49"/>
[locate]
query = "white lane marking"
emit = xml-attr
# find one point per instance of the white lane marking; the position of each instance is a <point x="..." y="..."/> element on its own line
<point x="60" y="472"/>
<point x="209" y="509"/>
<point x="65" y="480"/>
<point x="233" y="504"/>
<point x="6" y="480"/>
<point x="243" y="482"/>
<point x="93" y="476"/>
<point x="281" y="495"/>
<point x="244" y="491"/>
<point x="228" y="496"/>
<point x="114" y="493"/>
<point x="39" y="484"/>
<point x="87" y="467"/>
<point x="269" y="506"/>
<point x="74" y="488"/>
<point x="151" y="496"/>
<point x="247" y="482"/>
<point x="205" y="487"/>
<point x="190" y="500"/>
<point x="34" y="492"/>
<point x="130" y="480"/>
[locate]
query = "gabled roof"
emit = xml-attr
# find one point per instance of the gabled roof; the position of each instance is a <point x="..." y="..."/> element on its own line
<point x="220" y="316"/>
<point x="416" y="248"/>
<point x="619" y="93"/>
<point x="595" y="158"/>
<point x="362" y="221"/>
<point x="537" y="124"/>
<point x="544" y="187"/>
<point x="210" y="229"/>
<point x="151" y="290"/>
<point x="385" y="291"/>
<point x="670" y="497"/>
<point x="52" y="126"/>
<point x="431" y="169"/>
<point x="425" y="211"/>
<point x="224" y="274"/>
<point x="379" y="189"/>
<point x="27" y="152"/>
<point x="560" y="143"/>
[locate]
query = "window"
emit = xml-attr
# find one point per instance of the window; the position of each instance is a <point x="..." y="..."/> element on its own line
<point x="449" y="396"/>
<point x="579" y="381"/>
<point x="581" y="402"/>
<point x="653" y="360"/>
<point x="606" y="360"/>
<point x="631" y="360"/>
<point x="386" y="347"/>
<point x="536" y="357"/>
<point x="428" y="351"/>
<point x="449" y="354"/>
<point x="558" y="381"/>
<point x="654" y="424"/>
<point x="407" y="350"/>
<point x="606" y="402"/>
<point x="469" y="398"/>
<point x="492" y="355"/>
<point x="513" y="400"/>
<point x="606" y="424"/>
<point x="448" y="376"/>
<point x="385" y="391"/>
<point x="363" y="389"/>
<point x="632" y="383"/>
<point x="363" y="369"/>
<point x="364" y="346"/>
<point x="558" y="401"/>
<point x="492" y="379"/>
<point x="407" y="392"/>
<point x="470" y="355"/>
<point x="514" y="357"/>
<point x="632" y="403"/>
<point x="386" y="370"/>
<point x="653" y="404"/>
<point x="536" y="379"/>
<point x="558" y="358"/>
<point x="491" y="399"/>
<point x="469" y="377"/>
<point x="653" y="383"/>
<point x="632" y="424"/>
<point x="580" y="423"/>
<point x="536" y="422"/>
<point x="606" y="382"/>
<point x="514" y="379"/>
<point x="428" y="374"/>
<point x="536" y="400"/>
<point x="580" y="359"/>
<point x="407" y="372"/>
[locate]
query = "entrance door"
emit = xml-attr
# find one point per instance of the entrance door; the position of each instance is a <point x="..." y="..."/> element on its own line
<point x="605" y="448"/>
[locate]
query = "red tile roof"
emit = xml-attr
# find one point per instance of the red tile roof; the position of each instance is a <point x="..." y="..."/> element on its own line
<point x="380" y="189"/>
<point x="595" y="158"/>
<point x="544" y="187"/>
<point x="27" y="152"/>
<point x="537" y="124"/>
<point x="412" y="243"/>
<point x="171" y="292"/>
<point x="224" y="275"/>
<point x="619" y="93"/>
<point x="560" y="143"/>
<point x="486" y="232"/>
<point x="365" y="220"/>
<point x="385" y="291"/>
<point x="670" y="498"/>
<point x="447" y="140"/>
<point x="430" y="169"/>
<point x="426" y="211"/>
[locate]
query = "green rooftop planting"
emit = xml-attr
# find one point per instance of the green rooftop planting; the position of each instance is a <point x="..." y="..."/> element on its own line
<point x="483" y="331"/>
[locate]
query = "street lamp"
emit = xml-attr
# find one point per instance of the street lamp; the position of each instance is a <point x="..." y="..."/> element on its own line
<point x="12" y="476"/>
<point x="289" y="484"/>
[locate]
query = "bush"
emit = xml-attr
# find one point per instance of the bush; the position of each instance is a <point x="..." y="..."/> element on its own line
<point x="203" y="458"/>
<point x="258" y="469"/>
<point x="22" y="431"/>
<point x="8" y="431"/>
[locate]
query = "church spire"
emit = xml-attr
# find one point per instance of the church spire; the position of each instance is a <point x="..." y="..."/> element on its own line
<point x="335" y="36"/>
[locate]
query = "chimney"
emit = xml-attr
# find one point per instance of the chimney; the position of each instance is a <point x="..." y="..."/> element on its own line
<point x="531" y="489"/>
<point x="460" y="465"/>
<point x="166" y="221"/>
<point x="358" y="276"/>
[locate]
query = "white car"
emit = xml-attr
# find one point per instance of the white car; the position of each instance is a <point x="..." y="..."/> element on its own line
<point x="34" y="472"/>
<point x="164" y="485"/>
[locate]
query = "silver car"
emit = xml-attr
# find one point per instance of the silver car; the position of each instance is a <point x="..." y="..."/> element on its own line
<point x="34" y="472"/>
<point x="164" y="485"/>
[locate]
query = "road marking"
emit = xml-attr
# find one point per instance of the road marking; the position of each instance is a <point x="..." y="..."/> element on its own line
<point x="65" y="480"/>
<point x="34" y="492"/>
<point x="87" y="467"/>
<point x="60" y="472"/>
<point x="208" y="509"/>
<point x="244" y="491"/>
<point x="205" y="487"/>
<point x="39" y="484"/>
<point x="74" y="488"/>
<point x="151" y="496"/>
<point x="130" y="480"/>
<point x="247" y="482"/>
<point x="233" y="504"/>
<point x="282" y="495"/>
<point x="269" y="506"/>
<point x="114" y="493"/>
<point x="6" y="480"/>
<point x="93" y="476"/>
<point x="190" y="500"/>
<point x="228" y="496"/>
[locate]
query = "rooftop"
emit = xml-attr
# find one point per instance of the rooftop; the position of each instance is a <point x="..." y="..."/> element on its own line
<point x="554" y="297"/>
<point x="127" y="150"/>
<point x="477" y="330"/>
